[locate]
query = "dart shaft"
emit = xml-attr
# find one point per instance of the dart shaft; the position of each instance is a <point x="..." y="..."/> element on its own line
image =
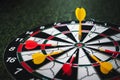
<point x="109" y="51"/>
<point x="55" y="53"/>
<point x="80" y="30"/>
<point x="45" y="44"/>
<point x="72" y="59"/>
<point x="95" y="58"/>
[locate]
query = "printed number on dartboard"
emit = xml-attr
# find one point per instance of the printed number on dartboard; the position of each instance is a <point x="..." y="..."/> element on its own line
<point x="11" y="59"/>
<point x="12" y="48"/>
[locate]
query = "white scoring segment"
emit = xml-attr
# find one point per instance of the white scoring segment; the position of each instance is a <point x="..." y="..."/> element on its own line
<point x="62" y="36"/>
<point x="102" y="40"/>
<point x="116" y="64"/>
<point x="88" y="72"/>
<point x="116" y="37"/>
<point x="27" y="55"/>
<point x="46" y="70"/>
<point x="96" y="28"/>
<point x="74" y="30"/>
<point x="53" y="31"/>
<point x="82" y="58"/>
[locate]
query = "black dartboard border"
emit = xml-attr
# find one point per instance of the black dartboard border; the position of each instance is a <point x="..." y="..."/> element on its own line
<point x="10" y="67"/>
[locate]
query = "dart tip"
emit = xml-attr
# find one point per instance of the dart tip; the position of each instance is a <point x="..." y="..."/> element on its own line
<point x="60" y="51"/>
<point x="74" y="55"/>
<point x="54" y="44"/>
<point x="101" y="49"/>
<point x="79" y="37"/>
<point x="55" y="52"/>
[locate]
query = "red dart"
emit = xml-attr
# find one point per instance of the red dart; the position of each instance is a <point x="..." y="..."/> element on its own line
<point x="109" y="51"/>
<point x="30" y="44"/>
<point x="67" y="66"/>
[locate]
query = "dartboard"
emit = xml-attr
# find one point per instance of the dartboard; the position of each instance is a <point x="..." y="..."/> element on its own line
<point x="54" y="52"/>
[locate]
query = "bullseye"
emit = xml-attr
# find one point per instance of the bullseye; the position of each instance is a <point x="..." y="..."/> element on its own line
<point x="79" y="45"/>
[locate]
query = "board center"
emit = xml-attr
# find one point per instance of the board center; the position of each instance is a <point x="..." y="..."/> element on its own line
<point x="79" y="45"/>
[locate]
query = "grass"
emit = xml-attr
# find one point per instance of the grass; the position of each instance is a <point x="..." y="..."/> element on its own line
<point x="17" y="16"/>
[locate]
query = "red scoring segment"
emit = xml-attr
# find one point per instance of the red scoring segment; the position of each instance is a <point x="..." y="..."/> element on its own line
<point x="30" y="44"/>
<point x="116" y="43"/>
<point x="19" y="48"/>
<point x="28" y="68"/>
<point x="50" y="37"/>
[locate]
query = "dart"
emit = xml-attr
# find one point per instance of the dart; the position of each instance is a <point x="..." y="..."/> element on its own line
<point x="105" y="67"/>
<point x="80" y="15"/>
<point x="109" y="51"/>
<point x="30" y="44"/>
<point x="39" y="57"/>
<point x="67" y="66"/>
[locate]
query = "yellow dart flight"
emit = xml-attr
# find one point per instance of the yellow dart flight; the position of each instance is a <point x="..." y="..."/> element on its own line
<point x="105" y="67"/>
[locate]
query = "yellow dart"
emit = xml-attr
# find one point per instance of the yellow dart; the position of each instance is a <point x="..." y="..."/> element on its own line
<point x="39" y="57"/>
<point x="80" y="15"/>
<point x="105" y="67"/>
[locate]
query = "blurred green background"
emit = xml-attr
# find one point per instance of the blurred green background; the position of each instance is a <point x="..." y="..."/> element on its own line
<point x="17" y="16"/>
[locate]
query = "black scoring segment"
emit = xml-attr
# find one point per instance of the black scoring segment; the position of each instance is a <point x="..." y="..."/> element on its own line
<point x="65" y="31"/>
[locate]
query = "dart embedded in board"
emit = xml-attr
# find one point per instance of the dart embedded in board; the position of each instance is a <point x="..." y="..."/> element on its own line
<point x="114" y="53"/>
<point x="109" y="51"/>
<point x="80" y="15"/>
<point x="31" y="44"/>
<point x="39" y="57"/>
<point x="105" y="67"/>
<point x="67" y="67"/>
